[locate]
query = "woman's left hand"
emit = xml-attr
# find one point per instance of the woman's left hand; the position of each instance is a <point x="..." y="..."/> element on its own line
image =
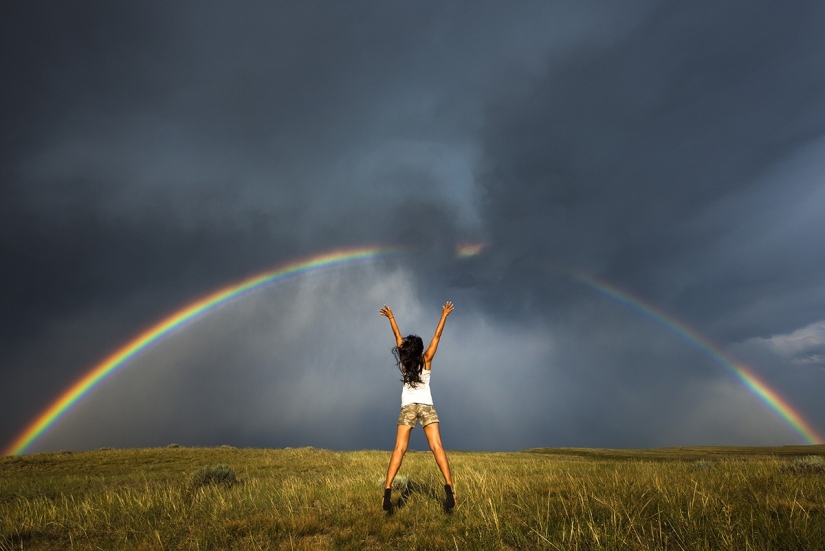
<point x="386" y="312"/>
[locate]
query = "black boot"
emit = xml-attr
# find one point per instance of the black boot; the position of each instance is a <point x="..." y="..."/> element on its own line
<point x="450" y="503"/>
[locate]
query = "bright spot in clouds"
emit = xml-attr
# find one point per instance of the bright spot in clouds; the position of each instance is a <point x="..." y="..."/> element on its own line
<point x="466" y="250"/>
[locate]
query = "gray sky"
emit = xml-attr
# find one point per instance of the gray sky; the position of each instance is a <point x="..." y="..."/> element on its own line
<point x="152" y="152"/>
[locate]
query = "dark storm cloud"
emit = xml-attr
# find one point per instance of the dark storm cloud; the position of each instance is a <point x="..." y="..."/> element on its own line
<point x="196" y="118"/>
<point x="153" y="152"/>
<point x="640" y="162"/>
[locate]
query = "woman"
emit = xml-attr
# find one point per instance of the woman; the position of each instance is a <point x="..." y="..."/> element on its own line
<point x="417" y="402"/>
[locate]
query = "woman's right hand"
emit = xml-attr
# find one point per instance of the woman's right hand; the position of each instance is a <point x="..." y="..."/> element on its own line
<point x="386" y="312"/>
<point x="447" y="308"/>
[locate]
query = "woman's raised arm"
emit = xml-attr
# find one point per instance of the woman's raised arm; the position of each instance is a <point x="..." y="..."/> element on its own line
<point x="445" y="311"/>
<point x="386" y="312"/>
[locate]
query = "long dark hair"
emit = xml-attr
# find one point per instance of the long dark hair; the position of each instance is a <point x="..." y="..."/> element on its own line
<point x="409" y="357"/>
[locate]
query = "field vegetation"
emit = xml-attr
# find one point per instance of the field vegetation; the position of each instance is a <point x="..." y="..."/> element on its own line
<point x="571" y="499"/>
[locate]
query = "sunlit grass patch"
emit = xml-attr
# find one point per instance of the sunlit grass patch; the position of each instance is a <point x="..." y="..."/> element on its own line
<point x="318" y="499"/>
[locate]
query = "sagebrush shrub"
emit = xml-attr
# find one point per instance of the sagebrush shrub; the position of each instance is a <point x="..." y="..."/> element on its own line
<point x="702" y="465"/>
<point x="218" y="475"/>
<point x="807" y="464"/>
<point x="400" y="482"/>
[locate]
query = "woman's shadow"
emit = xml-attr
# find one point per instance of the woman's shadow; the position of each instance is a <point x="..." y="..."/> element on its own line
<point x="409" y="487"/>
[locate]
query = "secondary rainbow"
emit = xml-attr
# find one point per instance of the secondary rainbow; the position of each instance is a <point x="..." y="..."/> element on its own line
<point x="174" y="322"/>
<point x="769" y="396"/>
<point x="466" y="250"/>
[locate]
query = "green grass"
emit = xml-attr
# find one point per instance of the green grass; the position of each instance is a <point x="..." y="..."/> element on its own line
<point x="673" y="498"/>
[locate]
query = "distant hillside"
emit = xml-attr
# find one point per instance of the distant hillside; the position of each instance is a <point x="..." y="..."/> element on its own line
<point x="685" y="453"/>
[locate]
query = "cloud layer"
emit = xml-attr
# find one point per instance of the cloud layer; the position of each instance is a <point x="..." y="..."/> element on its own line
<point x="151" y="154"/>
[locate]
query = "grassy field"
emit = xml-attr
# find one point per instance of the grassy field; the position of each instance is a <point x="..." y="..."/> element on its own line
<point x="676" y="498"/>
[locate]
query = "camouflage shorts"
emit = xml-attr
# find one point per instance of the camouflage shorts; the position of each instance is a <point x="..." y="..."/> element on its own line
<point x="423" y="413"/>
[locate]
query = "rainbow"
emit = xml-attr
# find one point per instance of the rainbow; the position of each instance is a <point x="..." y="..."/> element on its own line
<point x="745" y="374"/>
<point x="177" y="320"/>
<point x="201" y="307"/>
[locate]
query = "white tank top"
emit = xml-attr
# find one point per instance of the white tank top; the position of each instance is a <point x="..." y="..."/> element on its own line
<point x="421" y="393"/>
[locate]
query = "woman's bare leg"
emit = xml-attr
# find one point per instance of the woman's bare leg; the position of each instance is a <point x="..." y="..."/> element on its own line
<point x="434" y="439"/>
<point x="402" y="440"/>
